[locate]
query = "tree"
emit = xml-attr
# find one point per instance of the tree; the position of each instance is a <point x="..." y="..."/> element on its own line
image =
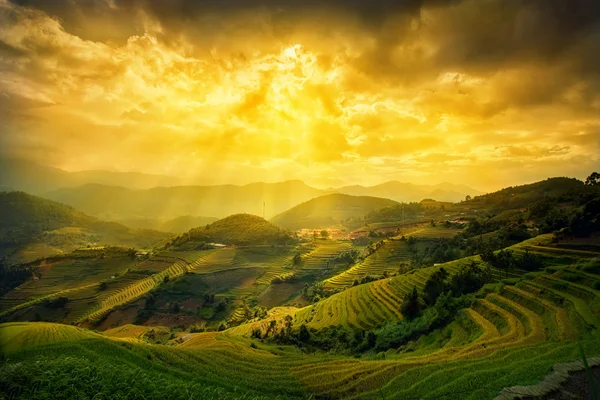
<point x="435" y="285"/>
<point x="467" y="198"/>
<point x="593" y="179"/>
<point x="304" y="334"/>
<point x="410" y="306"/>
<point x="503" y="261"/>
<point x="324" y="234"/>
<point x="297" y="259"/>
<point x="288" y="322"/>
<point x="470" y="278"/>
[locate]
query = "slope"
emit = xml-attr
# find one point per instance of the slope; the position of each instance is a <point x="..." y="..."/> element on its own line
<point x="238" y="229"/>
<point x="112" y="202"/>
<point x="32" y="227"/>
<point x="408" y="192"/>
<point x="329" y="210"/>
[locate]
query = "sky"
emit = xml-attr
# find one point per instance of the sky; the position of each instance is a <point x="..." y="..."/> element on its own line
<point x="487" y="93"/>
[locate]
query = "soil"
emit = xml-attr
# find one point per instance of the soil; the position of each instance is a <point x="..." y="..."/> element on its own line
<point x="121" y="316"/>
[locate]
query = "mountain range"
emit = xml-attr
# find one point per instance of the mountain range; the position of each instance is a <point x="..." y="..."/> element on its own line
<point x="136" y="197"/>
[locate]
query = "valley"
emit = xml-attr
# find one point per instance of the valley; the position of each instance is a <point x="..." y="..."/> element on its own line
<point x="417" y="301"/>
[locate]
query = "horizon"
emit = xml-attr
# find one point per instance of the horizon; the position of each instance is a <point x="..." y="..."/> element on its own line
<point x="330" y="93"/>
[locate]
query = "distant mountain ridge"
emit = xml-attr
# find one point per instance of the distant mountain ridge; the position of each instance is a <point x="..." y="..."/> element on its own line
<point x="135" y="197"/>
<point x="38" y="179"/>
<point x="409" y="192"/>
<point x="329" y="211"/>
<point x="110" y="202"/>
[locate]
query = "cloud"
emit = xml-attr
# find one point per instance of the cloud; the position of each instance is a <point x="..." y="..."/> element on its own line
<point x="422" y="90"/>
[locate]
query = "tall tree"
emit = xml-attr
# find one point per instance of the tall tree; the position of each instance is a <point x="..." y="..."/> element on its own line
<point x="593" y="179"/>
<point x="410" y="306"/>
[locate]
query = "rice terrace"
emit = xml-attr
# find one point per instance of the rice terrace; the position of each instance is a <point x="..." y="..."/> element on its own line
<point x="320" y="200"/>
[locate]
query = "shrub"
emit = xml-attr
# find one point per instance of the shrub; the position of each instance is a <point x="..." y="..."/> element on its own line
<point x="596" y="285"/>
<point x="197" y="328"/>
<point x="55" y="302"/>
<point x="559" y="285"/>
<point x="410" y="306"/>
<point x="571" y="277"/>
<point x="256" y="333"/>
<point x="222" y="326"/>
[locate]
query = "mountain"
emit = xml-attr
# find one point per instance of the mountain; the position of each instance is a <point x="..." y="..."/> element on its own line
<point x="329" y="210"/>
<point x="32" y="227"/>
<point x="408" y="192"/>
<point x="118" y="203"/>
<point x="35" y="178"/>
<point x="526" y="195"/>
<point x="238" y="229"/>
<point x="175" y="225"/>
<point x="184" y="223"/>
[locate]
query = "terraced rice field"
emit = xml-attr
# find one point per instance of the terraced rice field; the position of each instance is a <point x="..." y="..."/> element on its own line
<point x="438" y="231"/>
<point x="88" y="301"/>
<point x="318" y="257"/>
<point x="507" y="338"/>
<point x="502" y="339"/>
<point x="63" y="277"/>
<point x="387" y="258"/>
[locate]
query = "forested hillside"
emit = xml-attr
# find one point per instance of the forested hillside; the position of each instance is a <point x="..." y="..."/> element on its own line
<point x="238" y="229"/>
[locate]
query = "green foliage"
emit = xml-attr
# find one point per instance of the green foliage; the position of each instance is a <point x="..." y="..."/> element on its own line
<point x="55" y="302"/>
<point x="435" y="285"/>
<point x="392" y="335"/>
<point x="313" y="293"/>
<point x="12" y="276"/>
<point x="411" y="307"/>
<point x="238" y="229"/>
<point x="593" y="179"/>
<point x="469" y="278"/>
<point x="571" y="277"/>
<point x="197" y="328"/>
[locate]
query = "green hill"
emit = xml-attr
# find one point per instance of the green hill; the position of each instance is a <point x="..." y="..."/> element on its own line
<point x="32" y="227"/>
<point x="525" y="195"/>
<point x="512" y="333"/>
<point x="237" y="229"/>
<point x="329" y="210"/>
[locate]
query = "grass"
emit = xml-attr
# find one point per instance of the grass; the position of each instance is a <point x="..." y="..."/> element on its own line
<point x="386" y="258"/>
<point x="510" y="336"/>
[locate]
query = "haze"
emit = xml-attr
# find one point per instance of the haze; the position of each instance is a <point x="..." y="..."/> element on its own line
<point x="483" y="93"/>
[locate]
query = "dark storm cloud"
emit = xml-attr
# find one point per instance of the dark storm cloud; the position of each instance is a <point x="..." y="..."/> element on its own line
<point x="173" y="12"/>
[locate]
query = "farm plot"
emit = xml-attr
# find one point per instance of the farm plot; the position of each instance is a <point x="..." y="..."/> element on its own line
<point x="387" y="258"/>
<point x="321" y="255"/>
<point x="65" y="276"/>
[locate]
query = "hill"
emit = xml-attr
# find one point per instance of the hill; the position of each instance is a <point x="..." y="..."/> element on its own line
<point x="175" y="225"/>
<point x="237" y="229"/>
<point x="512" y="333"/>
<point x="525" y="195"/>
<point x="32" y="227"/>
<point x="408" y="192"/>
<point x="330" y="210"/>
<point x="118" y="203"/>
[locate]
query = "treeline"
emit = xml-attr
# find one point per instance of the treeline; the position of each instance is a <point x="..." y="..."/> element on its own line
<point x="434" y="307"/>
